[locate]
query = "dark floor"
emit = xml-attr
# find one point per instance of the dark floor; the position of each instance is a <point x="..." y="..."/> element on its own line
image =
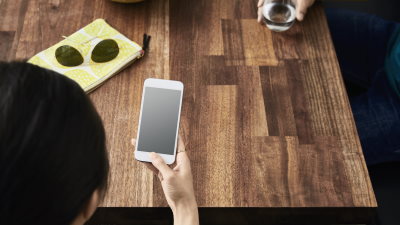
<point x="386" y="182"/>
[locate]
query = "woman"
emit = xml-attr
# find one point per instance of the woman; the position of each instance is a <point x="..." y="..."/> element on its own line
<point x="53" y="160"/>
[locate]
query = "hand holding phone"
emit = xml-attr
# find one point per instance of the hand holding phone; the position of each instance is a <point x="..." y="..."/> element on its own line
<point x="159" y="119"/>
<point x="177" y="184"/>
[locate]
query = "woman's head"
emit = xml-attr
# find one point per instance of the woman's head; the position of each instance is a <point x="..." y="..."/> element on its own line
<point x="52" y="147"/>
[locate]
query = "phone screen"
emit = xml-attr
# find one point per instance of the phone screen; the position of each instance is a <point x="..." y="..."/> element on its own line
<point x="159" y="121"/>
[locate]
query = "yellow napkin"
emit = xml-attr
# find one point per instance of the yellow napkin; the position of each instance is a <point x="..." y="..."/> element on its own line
<point x="90" y="74"/>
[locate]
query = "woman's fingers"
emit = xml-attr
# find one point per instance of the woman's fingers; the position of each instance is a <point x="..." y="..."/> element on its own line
<point x="183" y="162"/>
<point x="133" y="141"/>
<point x="181" y="145"/>
<point x="147" y="164"/>
<point x="259" y="10"/>
<point x="259" y="15"/>
<point x="181" y="157"/>
<point x="152" y="168"/>
<point x="301" y="8"/>
<point x="159" y="167"/>
<point x="159" y="163"/>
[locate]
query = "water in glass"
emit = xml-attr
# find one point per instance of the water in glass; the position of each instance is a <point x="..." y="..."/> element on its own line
<point x="279" y="15"/>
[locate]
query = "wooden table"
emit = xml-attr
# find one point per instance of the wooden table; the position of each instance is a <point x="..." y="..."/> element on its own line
<point x="265" y="115"/>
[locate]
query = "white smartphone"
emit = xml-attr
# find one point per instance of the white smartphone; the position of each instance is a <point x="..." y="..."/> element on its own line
<point x="159" y="119"/>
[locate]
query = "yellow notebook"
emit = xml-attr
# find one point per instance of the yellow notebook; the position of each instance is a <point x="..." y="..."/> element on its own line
<point x="89" y="75"/>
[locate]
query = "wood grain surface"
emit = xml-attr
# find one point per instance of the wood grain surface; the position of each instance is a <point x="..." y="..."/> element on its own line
<point x="265" y="117"/>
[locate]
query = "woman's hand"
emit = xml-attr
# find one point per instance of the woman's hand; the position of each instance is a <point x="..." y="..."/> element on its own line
<point x="177" y="184"/>
<point x="301" y="8"/>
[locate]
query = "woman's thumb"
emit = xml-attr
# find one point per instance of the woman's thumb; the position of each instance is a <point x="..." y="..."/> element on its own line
<point x="301" y="10"/>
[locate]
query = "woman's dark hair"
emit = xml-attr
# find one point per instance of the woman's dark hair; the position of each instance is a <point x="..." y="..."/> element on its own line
<point x="52" y="146"/>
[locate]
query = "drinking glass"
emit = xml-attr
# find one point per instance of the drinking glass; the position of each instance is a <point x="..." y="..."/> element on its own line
<point x="279" y="15"/>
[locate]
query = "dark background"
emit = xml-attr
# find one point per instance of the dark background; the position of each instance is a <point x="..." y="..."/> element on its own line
<point x="385" y="177"/>
<point x="388" y="9"/>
